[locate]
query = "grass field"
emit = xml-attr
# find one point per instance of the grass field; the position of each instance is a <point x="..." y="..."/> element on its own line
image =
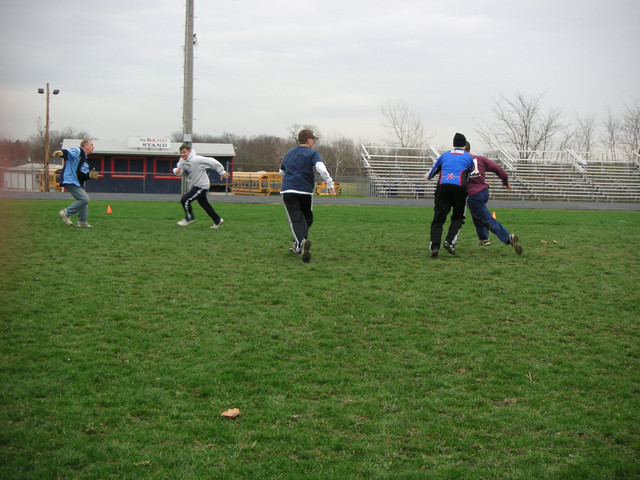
<point x="124" y="343"/>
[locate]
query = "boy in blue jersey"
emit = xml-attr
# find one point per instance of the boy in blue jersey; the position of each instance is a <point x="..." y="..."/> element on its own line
<point x="454" y="167"/>
<point x="297" y="189"/>
<point x="74" y="173"/>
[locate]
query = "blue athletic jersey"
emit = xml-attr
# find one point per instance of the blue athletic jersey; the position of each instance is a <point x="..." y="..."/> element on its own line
<point x="454" y="167"/>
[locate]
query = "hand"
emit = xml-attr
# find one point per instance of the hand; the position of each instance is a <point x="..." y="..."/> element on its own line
<point x="176" y="171"/>
<point x="58" y="153"/>
<point x="225" y="175"/>
<point x="508" y="187"/>
<point x="93" y="175"/>
<point x="331" y="191"/>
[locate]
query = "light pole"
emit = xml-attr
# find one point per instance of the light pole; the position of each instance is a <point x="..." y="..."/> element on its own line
<point x="46" y="138"/>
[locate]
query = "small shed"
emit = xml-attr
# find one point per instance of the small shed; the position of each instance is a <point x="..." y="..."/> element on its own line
<point x="29" y="176"/>
<point x="145" y="164"/>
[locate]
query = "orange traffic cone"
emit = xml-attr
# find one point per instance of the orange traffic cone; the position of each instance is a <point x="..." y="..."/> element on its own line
<point x="109" y="209"/>
<point x="494" y="215"/>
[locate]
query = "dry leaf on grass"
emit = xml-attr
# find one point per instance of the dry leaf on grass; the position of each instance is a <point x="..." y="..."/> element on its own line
<point x="231" y="413"/>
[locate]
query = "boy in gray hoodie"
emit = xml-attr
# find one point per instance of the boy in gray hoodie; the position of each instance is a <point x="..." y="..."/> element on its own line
<point x="194" y="168"/>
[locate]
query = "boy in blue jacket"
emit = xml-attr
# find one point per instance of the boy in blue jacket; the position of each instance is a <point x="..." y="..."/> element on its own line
<point x="74" y="173"/>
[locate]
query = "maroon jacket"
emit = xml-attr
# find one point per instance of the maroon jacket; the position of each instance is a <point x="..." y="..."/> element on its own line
<point x="477" y="181"/>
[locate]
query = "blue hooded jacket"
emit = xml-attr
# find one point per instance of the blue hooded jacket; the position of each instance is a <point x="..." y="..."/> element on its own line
<point x="76" y="169"/>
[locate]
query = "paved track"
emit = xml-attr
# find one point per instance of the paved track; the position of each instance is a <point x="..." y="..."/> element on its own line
<point x="322" y="200"/>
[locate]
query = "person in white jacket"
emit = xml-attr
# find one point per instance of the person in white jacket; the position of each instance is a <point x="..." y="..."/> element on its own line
<point x="194" y="168"/>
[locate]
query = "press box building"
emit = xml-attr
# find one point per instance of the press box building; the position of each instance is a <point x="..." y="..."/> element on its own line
<point x="145" y="164"/>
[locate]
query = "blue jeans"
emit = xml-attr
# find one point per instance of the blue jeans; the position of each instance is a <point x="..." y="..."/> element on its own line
<point x="81" y="205"/>
<point x="482" y="218"/>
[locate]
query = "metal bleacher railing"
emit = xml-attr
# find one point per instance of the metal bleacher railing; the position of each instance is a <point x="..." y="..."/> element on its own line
<point x="545" y="175"/>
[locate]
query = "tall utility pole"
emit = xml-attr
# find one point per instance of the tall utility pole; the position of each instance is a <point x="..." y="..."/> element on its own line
<point x="187" y="103"/>
<point x="46" y="137"/>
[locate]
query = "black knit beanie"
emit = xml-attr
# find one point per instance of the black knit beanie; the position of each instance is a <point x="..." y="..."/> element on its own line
<point x="459" y="140"/>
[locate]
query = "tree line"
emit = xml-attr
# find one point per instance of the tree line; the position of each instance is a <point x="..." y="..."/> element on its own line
<point x="519" y="123"/>
<point x="265" y="152"/>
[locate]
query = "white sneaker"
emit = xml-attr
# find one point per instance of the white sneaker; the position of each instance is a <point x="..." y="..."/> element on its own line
<point x="84" y="225"/>
<point x="218" y="225"/>
<point x="65" y="217"/>
<point x="184" y="222"/>
<point x="295" y="249"/>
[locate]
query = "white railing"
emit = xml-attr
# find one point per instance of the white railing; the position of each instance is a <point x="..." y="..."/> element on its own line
<point x="507" y="160"/>
<point x="434" y="152"/>
<point x="365" y="157"/>
<point x="578" y="162"/>
<point x="395" y="171"/>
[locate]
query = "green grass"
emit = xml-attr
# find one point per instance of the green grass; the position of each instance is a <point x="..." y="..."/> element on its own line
<point x="123" y="344"/>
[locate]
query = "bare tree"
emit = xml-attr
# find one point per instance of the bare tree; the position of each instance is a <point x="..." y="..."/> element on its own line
<point x="262" y="152"/>
<point x="57" y="137"/>
<point x="37" y="140"/>
<point x="521" y="124"/>
<point x="585" y="134"/>
<point x="37" y="143"/>
<point x="567" y="138"/>
<point x="610" y="139"/>
<point x="13" y="152"/>
<point x="347" y="156"/>
<point x="630" y="127"/>
<point x="404" y="126"/>
<point x="296" y="127"/>
<point x="340" y="156"/>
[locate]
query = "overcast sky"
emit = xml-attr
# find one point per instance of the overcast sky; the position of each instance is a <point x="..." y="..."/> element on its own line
<point x="264" y="65"/>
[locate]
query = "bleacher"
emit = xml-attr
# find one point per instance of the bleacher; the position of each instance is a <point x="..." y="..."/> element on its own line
<point x="620" y="182"/>
<point x="552" y="175"/>
<point x="398" y="171"/>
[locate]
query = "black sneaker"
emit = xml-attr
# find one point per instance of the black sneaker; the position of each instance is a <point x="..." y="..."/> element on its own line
<point x="434" y="253"/>
<point x="306" y="254"/>
<point x="450" y="248"/>
<point x="513" y="240"/>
